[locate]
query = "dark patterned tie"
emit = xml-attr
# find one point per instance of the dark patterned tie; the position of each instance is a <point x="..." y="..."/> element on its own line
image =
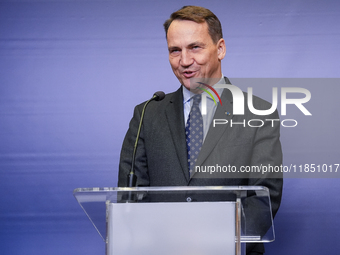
<point x="194" y="132"/>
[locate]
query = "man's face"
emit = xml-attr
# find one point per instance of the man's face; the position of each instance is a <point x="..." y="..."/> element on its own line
<point x="192" y="52"/>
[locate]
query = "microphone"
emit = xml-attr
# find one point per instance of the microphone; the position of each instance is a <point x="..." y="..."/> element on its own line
<point x="132" y="178"/>
<point x="158" y="96"/>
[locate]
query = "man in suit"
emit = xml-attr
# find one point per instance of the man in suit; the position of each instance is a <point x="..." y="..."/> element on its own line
<point x="196" y="49"/>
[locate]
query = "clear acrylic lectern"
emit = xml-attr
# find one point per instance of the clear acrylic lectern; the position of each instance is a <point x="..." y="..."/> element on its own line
<point x="179" y="220"/>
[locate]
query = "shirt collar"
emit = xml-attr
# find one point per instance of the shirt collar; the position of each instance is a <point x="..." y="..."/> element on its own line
<point x="187" y="95"/>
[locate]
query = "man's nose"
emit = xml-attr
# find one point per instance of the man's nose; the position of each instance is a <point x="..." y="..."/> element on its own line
<point x="186" y="59"/>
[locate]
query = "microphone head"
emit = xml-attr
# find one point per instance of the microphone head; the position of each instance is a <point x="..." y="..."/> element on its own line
<point x="159" y="95"/>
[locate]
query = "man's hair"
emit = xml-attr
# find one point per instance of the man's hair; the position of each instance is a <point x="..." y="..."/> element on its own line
<point x="199" y="15"/>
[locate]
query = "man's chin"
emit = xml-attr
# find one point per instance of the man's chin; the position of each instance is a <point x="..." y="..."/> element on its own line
<point x="187" y="86"/>
<point x="192" y="85"/>
<point x="194" y="82"/>
<point x="193" y="89"/>
<point x="186" y="83"/>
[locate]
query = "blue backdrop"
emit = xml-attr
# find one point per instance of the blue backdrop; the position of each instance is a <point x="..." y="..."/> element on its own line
<point x="71" y="73"/>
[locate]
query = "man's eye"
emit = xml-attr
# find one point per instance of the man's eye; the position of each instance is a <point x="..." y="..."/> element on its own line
<point x="174" y="51"/>
<point x="195" y="47"/>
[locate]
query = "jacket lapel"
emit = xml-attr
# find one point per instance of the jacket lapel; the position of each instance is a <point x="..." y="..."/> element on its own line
<point x="223" y="112"/>
<point x="175" y="117"/>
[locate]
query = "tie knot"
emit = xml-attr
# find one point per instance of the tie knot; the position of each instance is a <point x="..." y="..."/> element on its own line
<point x="196" y="99"/>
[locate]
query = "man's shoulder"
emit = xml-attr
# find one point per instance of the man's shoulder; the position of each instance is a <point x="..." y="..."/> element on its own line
<point x="157" y="110"/>
<point x="172" y="97"/>
<point x="256" y="101"/>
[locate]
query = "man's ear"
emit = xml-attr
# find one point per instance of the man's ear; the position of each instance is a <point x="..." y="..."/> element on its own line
<point x="221" y="49"/>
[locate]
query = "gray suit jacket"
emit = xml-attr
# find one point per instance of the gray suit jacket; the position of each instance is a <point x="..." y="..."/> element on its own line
<point x="161" y="158"/>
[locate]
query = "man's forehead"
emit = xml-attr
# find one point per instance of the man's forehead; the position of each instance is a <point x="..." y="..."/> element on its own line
<point x="191" y="31"/>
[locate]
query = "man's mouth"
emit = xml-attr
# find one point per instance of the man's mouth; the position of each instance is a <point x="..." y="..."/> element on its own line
<point x="189" y="74"/>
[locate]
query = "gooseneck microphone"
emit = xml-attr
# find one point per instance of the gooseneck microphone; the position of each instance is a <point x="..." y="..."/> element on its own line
<point x="132" y="178"/>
